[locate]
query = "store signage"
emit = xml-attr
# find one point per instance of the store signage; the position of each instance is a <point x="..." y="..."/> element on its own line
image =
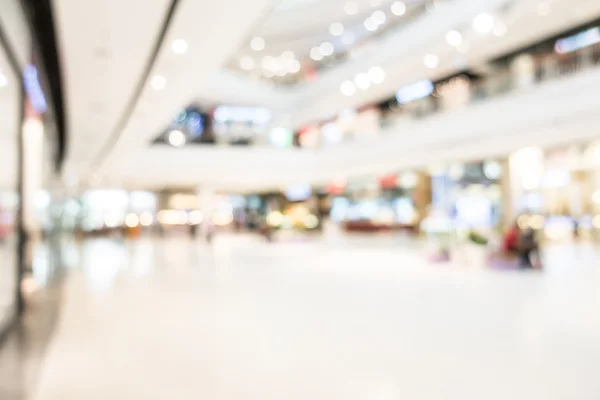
<point x="257" y="116"/>
<point x="578" y="41"/>
<point x="34" y="91"/>
<point x="414" y="91"/>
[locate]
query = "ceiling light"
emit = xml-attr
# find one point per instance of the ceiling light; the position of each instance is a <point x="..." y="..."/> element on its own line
<point x="454" y="38"/>
<point x="377" y="75"/>
<point x="326" y="48"/>
<point x="543" y="8"/>
<point x="500" y="29"/>
<point x="247" y="63"/>
<point x="379" y="17"/>
<point x="398" y="8"/>
<point x="272" y="64"/>
<point x="294" y="66"/>
<point x="483" y="23"/>
<point x="315" y="54"/>
<point x="375" y="3"/>
<point x="347" y="38"/>
<point x="336" y="29"/>
<point x="257" y="44"/>
<point x="176" y="138"/>
<point x="431" y="61"/>
<point x="179" y="46"/>
<point x="362" y="81"/>
<point x="3" y="79"/>
<point x="351" y="8"/>
<point x="158" y="82"/>
<point x="370" y="25"/>
<point x="288" y="55"/>
<point x="347" y="88"/>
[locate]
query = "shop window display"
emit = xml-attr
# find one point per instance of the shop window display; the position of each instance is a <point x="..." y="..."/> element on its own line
<point x="10" y="124"/>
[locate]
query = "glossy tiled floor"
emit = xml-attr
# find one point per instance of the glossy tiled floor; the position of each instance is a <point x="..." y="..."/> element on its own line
<point x="364" y="319"/>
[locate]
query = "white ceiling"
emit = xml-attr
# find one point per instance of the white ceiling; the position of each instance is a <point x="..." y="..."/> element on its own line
<point x="105" y="45"/>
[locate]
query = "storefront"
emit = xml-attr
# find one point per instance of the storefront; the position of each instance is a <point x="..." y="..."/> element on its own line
<point x="557" y="190"/>
<point x="31" y="149"/>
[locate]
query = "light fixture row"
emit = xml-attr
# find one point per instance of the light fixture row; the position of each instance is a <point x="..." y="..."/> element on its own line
<point x="363" y="81"/>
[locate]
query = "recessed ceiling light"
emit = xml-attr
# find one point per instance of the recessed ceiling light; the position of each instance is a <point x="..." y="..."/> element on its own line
<point x="326" y="48"/>
<point x="270" y="63"/>
<point x="315" y="54"/>
<point x="257" y="44"/>
<point x="370" y="25"/>
<point x="294" y="66"/>
<point x="398" y="8"/>
<point x="347" y="38"/>
<point x="543" y="9"/>
<point x="3" y="79"/>
<point x="347" y="88"/>
<point x="176" y="138"/>
<point x="336" y="29"/>
<point x="431" y="61"/>
<point x="500" y="29"/>
<point x="351" y="8"/>
<point x="379" y="17"/>
<point x="377" y="75"/>
<point x="247" y="63"/>
<point x="483" y="23"/>
<point x="362" y="81"/>
<point x="158" y="82"/>
<point x="454" y="38"/>
<point x="179" y="46"/>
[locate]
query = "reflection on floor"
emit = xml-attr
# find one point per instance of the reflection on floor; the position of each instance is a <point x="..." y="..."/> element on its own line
<point x="355" y="319"/>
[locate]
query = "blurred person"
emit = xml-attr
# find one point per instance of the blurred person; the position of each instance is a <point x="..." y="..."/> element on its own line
<point x="266" y="231"/>
<point x="510" y="241"/>
<point x="528" y="249"/>
<point x="521" y="244"/>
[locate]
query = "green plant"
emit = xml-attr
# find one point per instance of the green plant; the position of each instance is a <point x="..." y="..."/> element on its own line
<point x="478" y="238"/>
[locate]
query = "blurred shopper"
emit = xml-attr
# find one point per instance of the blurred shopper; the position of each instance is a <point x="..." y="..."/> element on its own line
<point x="267" y="232"/>
<point x="529" y="249"/>
<point x="523" y="245"/>
<point x="510" y="242"/>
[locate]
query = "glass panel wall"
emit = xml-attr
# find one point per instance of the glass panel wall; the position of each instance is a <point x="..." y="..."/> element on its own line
<point x="11" y="103"/>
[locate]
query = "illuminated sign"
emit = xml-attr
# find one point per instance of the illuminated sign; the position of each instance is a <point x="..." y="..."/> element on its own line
<point x="414" y="91"/>
<point x="34" y="91"/>
<point x="578" y="41"/>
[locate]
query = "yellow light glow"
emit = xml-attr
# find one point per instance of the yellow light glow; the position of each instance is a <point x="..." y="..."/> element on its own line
<point x="168" y="217"/>
<point x="195" y="218"/>
<point x="596" y="222"/>
<point x="596" y="197"/>
<point x="146" y="219"/>
<point x="132" y="220"/>
<point x="222" y="218"/>
<point x="275" y="218"/>
<point x="311" y="221"/>
<point x="536" y="222"/>
<point x="523" y="221"/>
